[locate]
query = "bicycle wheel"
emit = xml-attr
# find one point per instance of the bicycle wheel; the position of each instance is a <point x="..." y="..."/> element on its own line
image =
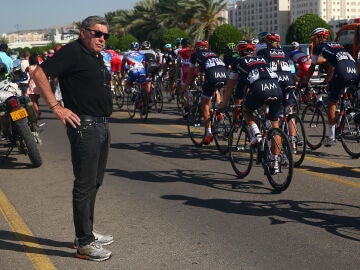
<point x="195" y="124"/>
<point x="158" y="99"/>
<point x="314" y="124"/>
<point x="277" y="142"/>
<point x="350" y="133"/>
<point x="298" y="142"/>
<point x="240" y="153"/>
<point x="220" y="126"/>
<point x="133" y="101"/>
<point x="179" y="98"/>
<point x="144" y="109"/>
<point x="119" y="96"/>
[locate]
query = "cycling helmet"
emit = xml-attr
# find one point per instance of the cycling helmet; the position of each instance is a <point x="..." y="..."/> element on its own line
<point x="272" y="37"/>
<point x="146" y="44"/>
<point x="320" y="32"/>
<point x="245" y="46"/>
<point x="230" y="46"/>
<point x="261" y="36"/>
<point x="295" y="45"/>
<point x="185" y="42"/>
<point x="168" y="46"/>
<point x="201" y="44"/>
<point x="178" y="41"/>
<point x="134" y="46"/>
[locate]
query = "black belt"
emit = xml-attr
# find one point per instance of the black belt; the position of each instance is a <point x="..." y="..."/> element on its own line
<point x="95" y="119"/>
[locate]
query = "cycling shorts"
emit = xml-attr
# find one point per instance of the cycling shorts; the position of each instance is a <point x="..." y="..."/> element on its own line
<point x="136" y="74"/>
<point x="344" y="75"/>
<point x="260" y="91"/>
<point x="213" y="76"/>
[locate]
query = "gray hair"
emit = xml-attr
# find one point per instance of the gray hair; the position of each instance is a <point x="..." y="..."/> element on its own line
<point x="91" y="20"/>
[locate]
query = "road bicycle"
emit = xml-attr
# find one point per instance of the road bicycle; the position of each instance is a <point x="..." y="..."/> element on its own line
<point x="156" y="95"/>
<point x="347" y="121"/>
<point x="274" y="148"/>
<point x="138" y="101"/>
<point x="220" y="122"/>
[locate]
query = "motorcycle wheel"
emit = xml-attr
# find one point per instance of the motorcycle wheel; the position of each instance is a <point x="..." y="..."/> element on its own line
<point x="26" y="138"/>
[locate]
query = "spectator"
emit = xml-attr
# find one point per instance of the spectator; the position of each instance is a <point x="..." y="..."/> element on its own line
<point x="4" y="58"/>
<point x="85" y="87"/>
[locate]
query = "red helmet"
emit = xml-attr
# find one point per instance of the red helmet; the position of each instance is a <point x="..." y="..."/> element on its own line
<point x="271" y="37"/>
<point x="320" y="32"/>
<point x="201" y="43"/>
<point x="245" y="46"/>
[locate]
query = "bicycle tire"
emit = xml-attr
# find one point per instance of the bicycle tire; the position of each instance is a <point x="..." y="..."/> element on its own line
<point x="144" y="109"/>
<point x="195" y="123"/>
<point x="131" y="103"/>
<point x="119" y="96"/>
<point x="158" y="98"/>
<point x="300" y="138"/>
<point x="240" y="153"/>
<point x="179" y="98"/>
<point x="220" y="127"/>
<point x="281" y="180"/>
<point x="314" y="125"/>
<point x="350" y="133"/>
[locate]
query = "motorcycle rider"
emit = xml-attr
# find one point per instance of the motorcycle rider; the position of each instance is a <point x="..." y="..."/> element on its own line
<point x="4" y="58"/>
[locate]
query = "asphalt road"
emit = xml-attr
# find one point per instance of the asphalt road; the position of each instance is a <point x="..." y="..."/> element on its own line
<point x="171" y="205"/>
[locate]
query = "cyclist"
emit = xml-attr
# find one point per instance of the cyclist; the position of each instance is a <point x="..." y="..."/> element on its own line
<point x="258" y="82"/>
<point x="133" y="63"/>
<point x="169" y="66"/>
<point x="151" y="65"/>
<point x="230" y="55"/>
<point x="301" y="61"/>
<point x="215" y="73"/>
<point x="341" y="72"/>
<point x="183" y="65"/>
<point x="178" y="45"/>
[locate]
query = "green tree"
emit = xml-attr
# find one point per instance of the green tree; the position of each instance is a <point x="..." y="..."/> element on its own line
<point x="301" y="28"/>
<point x="222" y="35"/>
<point x="206" y="15"/>
<point x="113" y="41"/>
<point x="170" y="35"/>
<point x="125" y="42"/>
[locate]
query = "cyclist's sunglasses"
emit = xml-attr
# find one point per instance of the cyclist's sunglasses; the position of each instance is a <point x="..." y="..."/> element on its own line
<point x="98" y="34"/>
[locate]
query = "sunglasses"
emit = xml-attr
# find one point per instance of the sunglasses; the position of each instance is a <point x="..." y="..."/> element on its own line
<point x="98" y="34"/>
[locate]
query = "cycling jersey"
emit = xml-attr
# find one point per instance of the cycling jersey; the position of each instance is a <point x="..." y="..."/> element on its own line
<point x="107" y="58"/>
<point x="345" y="72"/>
<point x="279" y="62"/>
<point x="213" y="68"/>
<point x="184" y="58"/>
<point x="151" y="65"/>
<point x="301" y="61"/>
<point x="253" y="72"/>
<point x="133" y="60"/>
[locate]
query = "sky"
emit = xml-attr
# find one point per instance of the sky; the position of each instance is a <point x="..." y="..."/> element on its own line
<point x="39" y="14"/>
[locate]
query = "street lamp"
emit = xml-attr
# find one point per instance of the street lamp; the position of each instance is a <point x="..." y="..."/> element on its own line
<point x="17" y="26"/>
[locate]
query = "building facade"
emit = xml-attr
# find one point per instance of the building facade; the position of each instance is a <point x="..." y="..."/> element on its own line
<point x="277" y="15"/>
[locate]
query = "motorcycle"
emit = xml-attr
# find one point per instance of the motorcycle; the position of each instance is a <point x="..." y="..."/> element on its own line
<point x="18" y="121"/>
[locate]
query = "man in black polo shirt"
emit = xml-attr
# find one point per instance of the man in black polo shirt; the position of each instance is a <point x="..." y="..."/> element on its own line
<point x="85" y="88"/>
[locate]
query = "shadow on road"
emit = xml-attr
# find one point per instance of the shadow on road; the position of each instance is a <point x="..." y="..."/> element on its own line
<point x="326" y="215"/>
<point x="10" y="241"/>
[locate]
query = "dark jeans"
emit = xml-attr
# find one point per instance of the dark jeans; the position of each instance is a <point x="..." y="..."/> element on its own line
<point x="89" y="151"/>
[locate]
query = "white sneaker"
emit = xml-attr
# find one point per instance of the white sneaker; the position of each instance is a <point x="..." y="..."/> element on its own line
<point x="329" y="142"/>
<point x="102" y="239"/>
<point x="93" y="252"/>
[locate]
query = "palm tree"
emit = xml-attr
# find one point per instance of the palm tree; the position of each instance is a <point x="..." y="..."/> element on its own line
<point x="208" y="15"/>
